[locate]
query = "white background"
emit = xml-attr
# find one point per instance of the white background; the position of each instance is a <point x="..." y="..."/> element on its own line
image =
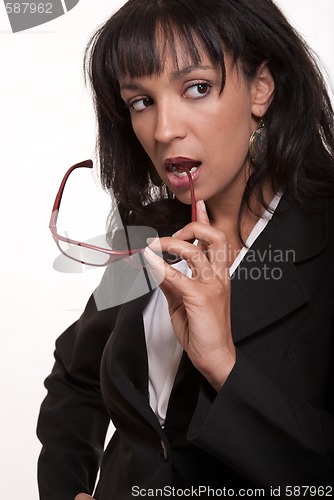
<point x="47" y="124"/>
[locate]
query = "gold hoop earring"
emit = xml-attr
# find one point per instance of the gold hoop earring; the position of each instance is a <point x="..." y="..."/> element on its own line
<point x="258" y="143"/>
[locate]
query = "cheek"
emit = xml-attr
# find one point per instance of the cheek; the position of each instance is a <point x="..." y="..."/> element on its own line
<point x="228" y="134"/>
<point x="228" y="144"/>
<point x="142" y="133"/>
<point x="235" y="129"/>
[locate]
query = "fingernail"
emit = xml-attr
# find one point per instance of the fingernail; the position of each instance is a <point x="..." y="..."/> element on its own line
<point x="153" y="242"/>
<point x="175" y="235"/>
<point x="201" y="205"/>
<point x="147" y="251"/>
<point x="152" y="258"/>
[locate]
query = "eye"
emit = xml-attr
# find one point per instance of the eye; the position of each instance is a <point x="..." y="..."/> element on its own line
<point x="198" y="90"/>
<point x="140" y="104"/>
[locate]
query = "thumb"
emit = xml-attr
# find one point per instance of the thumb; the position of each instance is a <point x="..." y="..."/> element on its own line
<point x="83" y="496"/>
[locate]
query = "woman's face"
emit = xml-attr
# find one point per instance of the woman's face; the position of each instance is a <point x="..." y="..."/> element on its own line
<point x="182" y="120"/>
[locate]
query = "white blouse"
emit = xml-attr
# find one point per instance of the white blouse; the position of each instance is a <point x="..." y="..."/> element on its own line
<point x="163" y="350"/>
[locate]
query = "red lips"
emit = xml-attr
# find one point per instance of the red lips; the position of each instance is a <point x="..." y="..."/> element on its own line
<point x="176" y="171"/>
<point x="180" y="163"/>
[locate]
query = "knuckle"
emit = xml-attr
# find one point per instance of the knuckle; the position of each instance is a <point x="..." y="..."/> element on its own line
<point x="172" y="274"/>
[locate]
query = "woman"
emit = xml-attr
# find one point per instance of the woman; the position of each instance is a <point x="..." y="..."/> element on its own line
<point x="231" y="391"/>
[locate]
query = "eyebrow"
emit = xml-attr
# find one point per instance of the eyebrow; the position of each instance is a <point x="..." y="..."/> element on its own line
<point x="179" y="73"/>
<point x="175" y="75"/>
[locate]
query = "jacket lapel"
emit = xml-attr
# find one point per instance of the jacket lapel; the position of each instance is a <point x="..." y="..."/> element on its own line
<point x="127" y="358"/>
<point x="266" y="286"/>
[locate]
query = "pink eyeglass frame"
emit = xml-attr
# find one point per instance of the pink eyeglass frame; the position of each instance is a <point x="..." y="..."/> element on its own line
<point x="112" y="254"/>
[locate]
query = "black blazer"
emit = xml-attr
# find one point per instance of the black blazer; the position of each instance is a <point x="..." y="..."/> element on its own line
<point x="270" y="426"/>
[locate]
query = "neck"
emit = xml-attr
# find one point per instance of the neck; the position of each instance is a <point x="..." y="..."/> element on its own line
<point x="224" y="214"/>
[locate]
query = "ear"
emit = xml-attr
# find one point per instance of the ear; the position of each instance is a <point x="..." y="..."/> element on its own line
<point x="263" y="87"/>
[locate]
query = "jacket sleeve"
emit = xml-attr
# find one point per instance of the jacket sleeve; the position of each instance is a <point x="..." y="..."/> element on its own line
<point x="265" y="432"/>
<point x="73" y="420"/>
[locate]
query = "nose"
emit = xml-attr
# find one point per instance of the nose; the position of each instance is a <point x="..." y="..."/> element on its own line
<point x="169" y="124"/>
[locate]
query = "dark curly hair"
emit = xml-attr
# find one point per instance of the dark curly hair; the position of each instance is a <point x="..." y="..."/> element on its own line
<point x="300" y="153"/>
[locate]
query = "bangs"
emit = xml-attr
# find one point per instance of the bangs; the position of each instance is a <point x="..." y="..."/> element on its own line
<point x="151" y="33"/>
<point x="145" y="55"/>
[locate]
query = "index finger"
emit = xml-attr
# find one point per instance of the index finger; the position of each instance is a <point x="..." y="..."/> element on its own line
<point x="202" y="214"/>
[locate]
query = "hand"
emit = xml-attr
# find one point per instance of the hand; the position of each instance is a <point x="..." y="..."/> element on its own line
<point x="83" y="496"/>
<point x="199" y="306"/>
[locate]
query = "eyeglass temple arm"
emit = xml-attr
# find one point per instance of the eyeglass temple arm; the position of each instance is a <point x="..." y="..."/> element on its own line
<point x="55" y="209"/>
<point x="89" y="164"/>
<point x="192" y="195"/>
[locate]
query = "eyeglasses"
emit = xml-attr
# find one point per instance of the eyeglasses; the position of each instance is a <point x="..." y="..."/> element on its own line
<point x="85" y="252"/>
